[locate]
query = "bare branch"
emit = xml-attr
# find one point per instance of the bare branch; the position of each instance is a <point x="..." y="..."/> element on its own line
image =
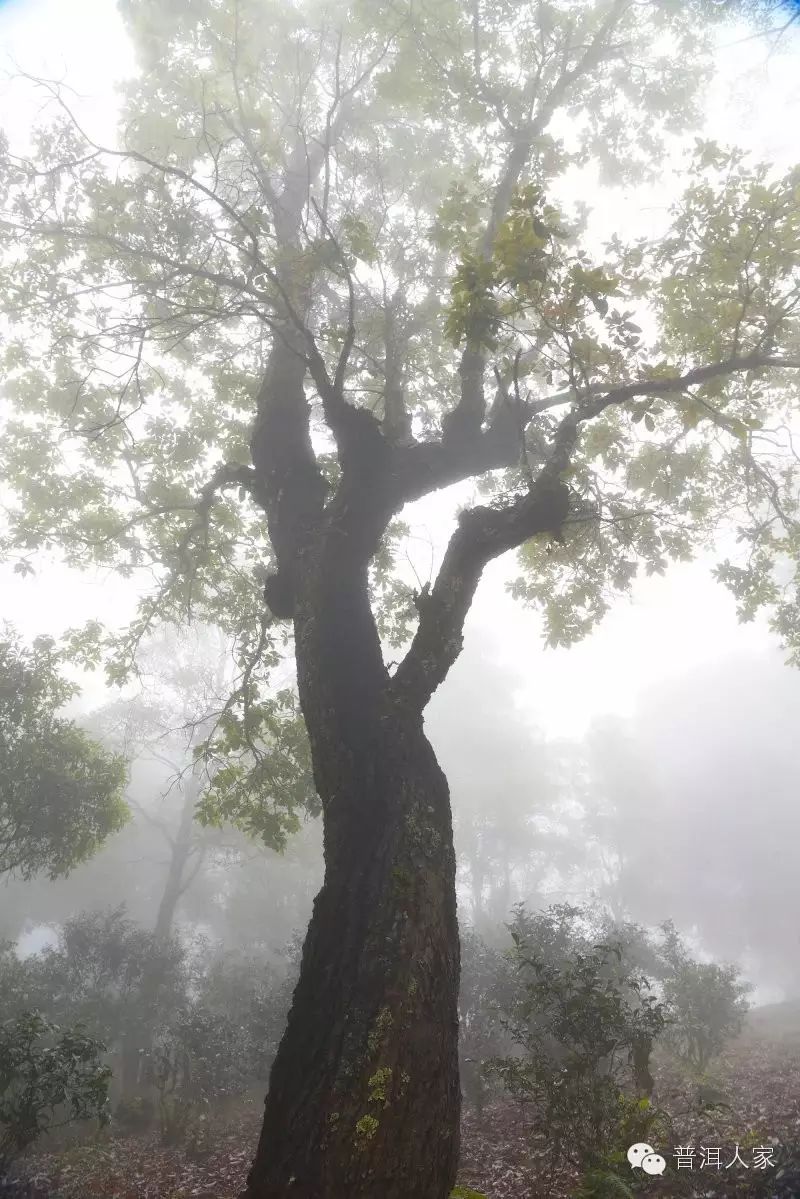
<point x="350" y="334"/>
<point x="151" y="820"/>
<point x="675" y="384"/>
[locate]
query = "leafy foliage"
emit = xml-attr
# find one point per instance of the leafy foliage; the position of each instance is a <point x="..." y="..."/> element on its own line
<point x="95" y="975"/>
<point x="150" y="467"/>
<point x="584" y="1020"/>
<point x="60" y="792"/>
<point x="260" y="770"/>
<point x="221" y="1039"/>
<point x="707" y="1001"/>
<point x="206" y="1023"/>
<point x="253" y="994"/>
<point x="486" y="987"/>
<point x="49" y="1077"/>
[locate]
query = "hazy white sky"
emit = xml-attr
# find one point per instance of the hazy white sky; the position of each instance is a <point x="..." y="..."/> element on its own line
<point x="669" y="624"/>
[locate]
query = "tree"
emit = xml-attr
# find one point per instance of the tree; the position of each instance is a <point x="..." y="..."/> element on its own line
<point x="183" y="679"/>
<point x="60" y="792"/>
<point x="622" y="802"/>
<point x="322" y="275"/>
<point x="707" y="762"/>
<point x="509" y="792"/>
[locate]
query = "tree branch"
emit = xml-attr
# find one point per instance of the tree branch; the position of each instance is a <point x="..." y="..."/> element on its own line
<point x="465" y="420"/>
<point x="428" y="466"/>
<point x="484" y="533"/>
<point x="675" y="384"/>
<point x="227" y="475"/>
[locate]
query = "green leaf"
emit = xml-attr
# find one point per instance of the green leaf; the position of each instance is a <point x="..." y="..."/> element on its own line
<point x="60" y="793"/>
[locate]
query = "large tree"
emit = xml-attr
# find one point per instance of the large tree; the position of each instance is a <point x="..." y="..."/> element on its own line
<point x="322" y="275"/>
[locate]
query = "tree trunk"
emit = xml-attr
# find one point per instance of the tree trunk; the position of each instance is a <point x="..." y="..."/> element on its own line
<point x="130" y="1067"/>
<point x="176" y="882"/>
<point x="137" y="1048"/>
<point x="364" y="1097"/>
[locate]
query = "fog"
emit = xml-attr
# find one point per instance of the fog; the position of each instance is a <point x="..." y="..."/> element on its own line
<point x="686" y="809"/>
<point x="399" y="683"/>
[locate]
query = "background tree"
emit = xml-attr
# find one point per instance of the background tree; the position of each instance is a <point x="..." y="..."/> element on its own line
<point x="322" y="275"/>
<point x="60" y="792"/>
<point x="515" y="833"/>
<point x="683" y="801"/>
<point x="180" y="703"/>
<point x="622" y="796"/>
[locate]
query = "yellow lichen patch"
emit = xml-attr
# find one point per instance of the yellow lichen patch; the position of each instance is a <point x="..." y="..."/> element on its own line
<point x="379" y="1084"/>
<point x="366" y="1128"/>
<point x="383" y="1022"/>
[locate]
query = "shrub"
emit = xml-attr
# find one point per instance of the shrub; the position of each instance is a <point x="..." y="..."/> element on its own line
<point x="583" y="1023"/>
<point x="96" y="976"/>
<point x="49" y="1077"/>
<point x="253" y="996"/>
<point x="202" y="1056"/>
<point x="708" y="1002"/>
<point x="60" y="792"/>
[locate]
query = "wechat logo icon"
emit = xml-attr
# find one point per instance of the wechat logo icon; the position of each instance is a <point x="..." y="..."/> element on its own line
<point x="644" y="1157"/>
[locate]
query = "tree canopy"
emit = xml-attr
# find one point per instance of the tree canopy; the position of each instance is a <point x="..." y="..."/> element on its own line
<point x="60" y="792"/>
<point x="379" y="186"/>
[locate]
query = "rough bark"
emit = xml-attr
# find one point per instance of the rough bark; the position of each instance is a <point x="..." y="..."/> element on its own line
<point x="364" y="1096"/>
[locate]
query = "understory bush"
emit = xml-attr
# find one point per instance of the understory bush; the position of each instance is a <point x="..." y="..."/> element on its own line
<point x="583" y="1023"/>
<point x="707" y="1002"/>
<point x="576" y="1007"/>
<point x="564" y="1021"/>
<point x="187" y="1023"/>
<point x="487" y="986"/>
<point x="49" y="1077"/>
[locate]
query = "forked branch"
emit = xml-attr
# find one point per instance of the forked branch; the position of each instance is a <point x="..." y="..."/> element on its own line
<point x="484" y="533"/>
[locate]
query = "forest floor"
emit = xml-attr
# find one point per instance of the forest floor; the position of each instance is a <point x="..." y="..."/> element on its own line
<point x="503" y="1157"/>
<point x="755" y="1082"/>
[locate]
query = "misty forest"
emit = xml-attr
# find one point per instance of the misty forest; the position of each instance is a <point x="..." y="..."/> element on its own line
<point x="400" y="623"/>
